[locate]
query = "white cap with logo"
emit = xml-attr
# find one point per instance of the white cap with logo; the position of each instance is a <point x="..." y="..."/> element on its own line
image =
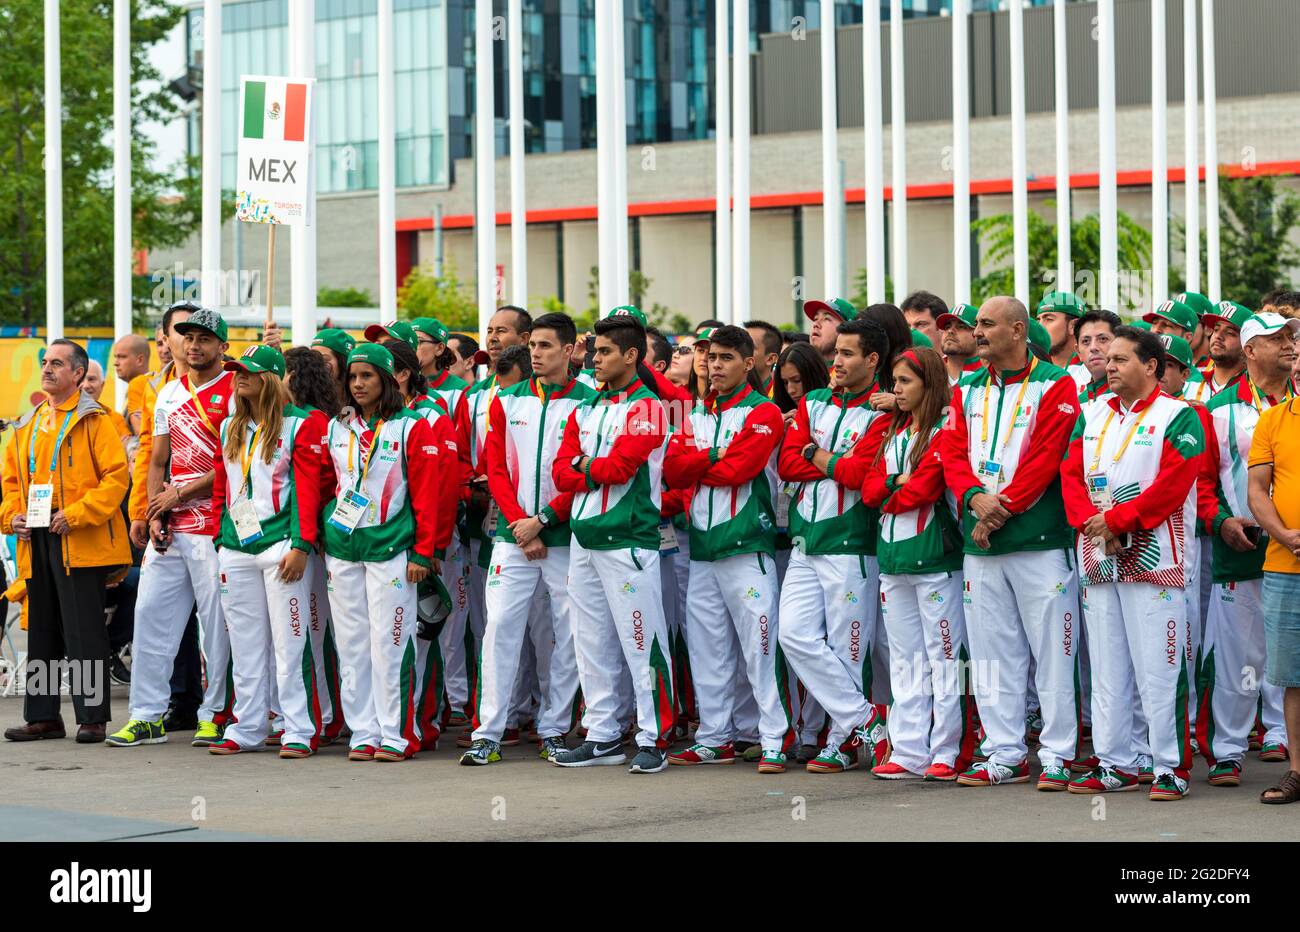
<point x="1265" y="325"/>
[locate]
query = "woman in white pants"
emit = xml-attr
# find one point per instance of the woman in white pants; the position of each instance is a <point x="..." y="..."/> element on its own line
<point x="379" y="546"/>
<point x="932" y="721"/>
<point x="267" y="484"/>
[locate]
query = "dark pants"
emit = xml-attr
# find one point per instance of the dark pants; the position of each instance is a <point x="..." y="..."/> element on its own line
<point x="65" y="619"/>
<point x="122" y="598"/>
<point x="187" y="674"/>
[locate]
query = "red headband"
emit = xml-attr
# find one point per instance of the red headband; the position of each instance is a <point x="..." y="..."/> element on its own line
<point x="908" y="354"/>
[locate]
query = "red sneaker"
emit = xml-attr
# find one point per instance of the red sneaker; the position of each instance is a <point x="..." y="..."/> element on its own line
<point x="1084" y="765"/>
<point x="941" y="772"/>
<point x="510" y="737"/>
<point x="892" y="771"/>
<point x="362" y="752"/>
<point x="225" y="747"/>
<point x="702" y="754"/>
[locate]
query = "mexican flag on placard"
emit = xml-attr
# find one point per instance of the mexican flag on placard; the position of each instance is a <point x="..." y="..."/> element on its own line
<point x="275" y="110"/>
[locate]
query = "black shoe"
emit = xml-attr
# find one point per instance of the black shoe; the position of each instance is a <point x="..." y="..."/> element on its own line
<point x="180" y="720"/>
<point x="743" y="746"/>
<point x="649" y="760"/>
<point x="591" y="754"/>
<point x="118" y="671"/>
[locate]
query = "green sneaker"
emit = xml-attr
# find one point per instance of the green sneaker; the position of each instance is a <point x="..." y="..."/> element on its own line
<point x="207" y="734"/>
<point x="138" y="731"/>
<point x="1226" y="773"/>
<point x="1055" y="779"/>
<point x="481" y="752"/>
<point x="772" y="762"/>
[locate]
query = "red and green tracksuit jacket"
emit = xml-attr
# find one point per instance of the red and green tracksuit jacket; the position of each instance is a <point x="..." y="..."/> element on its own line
<point x="617" y="496"/>
<point x="1158" y="444"/>
<point x="1233" y="414"/>
<point x="450" y="389"/>
<point x="918" y="524"/>
<point x="402" y="483"/>
<point x="727" y="458"/>
<point x="827" y="516"/>
<point x="285" y="492"/>
<point x="526" y="424"/>
<point x="1027" y="440"/>
<point x="433" y="410"/>
<point x="471" y="419"/>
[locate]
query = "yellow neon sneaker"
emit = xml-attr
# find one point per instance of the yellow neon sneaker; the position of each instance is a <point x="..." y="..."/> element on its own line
<point x="207" y="734"/>
<point x="137" y="731"/>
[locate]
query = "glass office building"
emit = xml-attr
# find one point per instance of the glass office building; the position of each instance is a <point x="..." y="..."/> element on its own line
<point x="669" y="52"/>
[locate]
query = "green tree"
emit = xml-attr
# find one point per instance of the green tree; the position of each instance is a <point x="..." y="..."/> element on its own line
<point x="165" y="202"/>
<point x="344" y="297"/>
<point x="638" y="285"/>
<point x="859" y="297"/>
<point x="445" y="297"/>
<point x="997" y="240"/>
<point x="1256" y="253"/>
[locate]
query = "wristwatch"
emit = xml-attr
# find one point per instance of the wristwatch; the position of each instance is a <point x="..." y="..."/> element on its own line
<point x="576" y="460"/>
<point x="543" y="519"/>
<point x="809" y="452"/>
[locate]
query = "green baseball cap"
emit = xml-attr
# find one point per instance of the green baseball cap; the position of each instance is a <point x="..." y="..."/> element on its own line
<point x="1141" y="325"/>
<point x="1174" y="311"/>
<point x="963" y="314"/>
<point x="705" y="335"/>
<point x="920" y="339"/>
<point x="204" y="319"/>
<point x="397" y="329"/>
<point x="836" y="306"/>
<point x="1177" y="349"/>
<point x="1065" y="302"/>
<point x="1040" y="338"/>
<point x="1229" y="311"/>
<point x="1199" y="303"/>
<point x="374" y="353"/>
<point x="432" y="327"/>
<point x="340" y="341"/>
<point x="258" y="358"/>
<point x="627" y="310"/>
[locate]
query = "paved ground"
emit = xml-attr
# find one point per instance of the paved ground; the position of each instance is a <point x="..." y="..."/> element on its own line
<point x="176" y="792"/>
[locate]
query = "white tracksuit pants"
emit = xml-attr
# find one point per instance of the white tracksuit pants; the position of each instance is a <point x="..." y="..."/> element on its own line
<point x="512" y="590"/>
<point x="1138" y="633"/>
<point x="374" y="610"/>
<point x="1023" y="606"/>
<point x="269" y="619"/>
<point x="171" y="583"/>
<point x="430" y="661"/>
<point x="932" y="719"/>
<point x="731" y="618"/>
<point x="619" y="629"/>
<point x="829" y="607"/>
<point x="1192" y="600"/>
<point x="451" y="640"/>
<point x="808" y="716"/>
<point x="321" y="642"/>
<point x="530" y="678"/>
<point x="1231" y="678"/>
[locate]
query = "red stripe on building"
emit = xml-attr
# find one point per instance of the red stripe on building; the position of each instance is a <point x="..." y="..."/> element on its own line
<point x="915" y="192"/>
<point x="295" y="112"/>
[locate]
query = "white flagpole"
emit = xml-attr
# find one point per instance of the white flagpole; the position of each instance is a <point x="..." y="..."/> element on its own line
<point x="960" y="150"/>
<point x="518" y="215"/>
<point x="606" y="190"/>
<point x="121" y="179"/>
<point x="1106" y="157"/>
<point x="898" y="148"/>
<point x="722" y="159"/>
<point x="1191" y="157"/>
<point x="302" y="242"/>
<point x="210" y="221"/>
<point x="619" y="154"/>
<point x="1213" y="284"/>
<point x="485" y="218"/>
<point x="873" y="131"/>
<point x="1064" y="263"/>
<point x="388" y="170"/>
<point x="1159" y="157"/>
<point x="832" y="191"/>
<point x="1019" y="174"/>
<point x="740" y="163"/>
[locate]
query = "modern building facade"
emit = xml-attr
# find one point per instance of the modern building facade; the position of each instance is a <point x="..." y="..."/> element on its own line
<point x="670" y="67"/>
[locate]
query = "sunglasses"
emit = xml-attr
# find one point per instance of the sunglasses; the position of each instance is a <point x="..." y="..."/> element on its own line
<point x="683" y="350"/>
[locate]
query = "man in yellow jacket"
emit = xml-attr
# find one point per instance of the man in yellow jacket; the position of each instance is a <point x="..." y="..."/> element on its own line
<point x="64" y="479"/>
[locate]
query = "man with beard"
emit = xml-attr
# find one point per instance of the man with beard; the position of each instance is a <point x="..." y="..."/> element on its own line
<point x="1057" y="312"/>
<point x="1225" y="345"/>
<point x="957" y="341"/>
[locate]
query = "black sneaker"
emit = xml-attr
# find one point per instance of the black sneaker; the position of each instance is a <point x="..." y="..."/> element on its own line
<point x="591" y="754"/>
<point x="743" y="746"/>
<point x="180" y="720"/>
<point x="649" y="760"/>
<point x="118" y="671"/>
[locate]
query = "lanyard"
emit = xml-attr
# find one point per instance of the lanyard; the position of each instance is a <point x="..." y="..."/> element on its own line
<point x="1123" y="447"/>
<point x="1257" y="400"/>
<point x="374" y="445"/>
<point x="58" y="442"/>
<point x="189" y="383"/>
<point x="984" y="427"/>
<point x="247" y="461"/>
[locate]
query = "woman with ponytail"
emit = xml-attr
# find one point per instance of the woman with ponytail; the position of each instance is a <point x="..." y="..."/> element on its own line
<point x="932" y="720"/>
<point x="268" y="487"/>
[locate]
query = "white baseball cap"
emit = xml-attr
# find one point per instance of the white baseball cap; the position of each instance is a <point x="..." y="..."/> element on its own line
<point x="1265" y="325"/>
